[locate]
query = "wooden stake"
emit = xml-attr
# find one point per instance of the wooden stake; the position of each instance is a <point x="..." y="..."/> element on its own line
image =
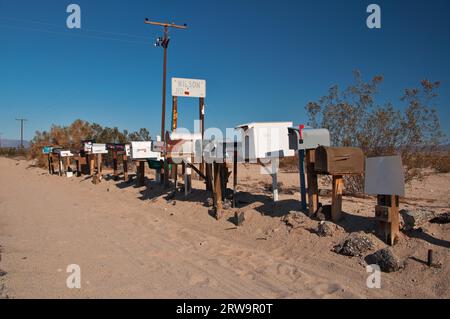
<point x="313" y="188"/>
<point x="336" y="198"/>
<point x="115" y="170"/>
<point x="141" y="174"/>
<point x="218" y="190"/>
<point x="387" y="212"/>
<point x="125" y="167"/>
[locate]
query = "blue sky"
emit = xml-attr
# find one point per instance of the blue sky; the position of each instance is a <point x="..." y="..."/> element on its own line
<point x="263" y="60"/>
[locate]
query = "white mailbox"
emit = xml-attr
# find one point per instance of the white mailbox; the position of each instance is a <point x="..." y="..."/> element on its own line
<point x="98" y="148"/>
<point x="62" y="153"/>
<point x="87" y="146"/>
<point x="266" y="140"/>
<point x="310" y="138"/>
<point x="143" y="150"/>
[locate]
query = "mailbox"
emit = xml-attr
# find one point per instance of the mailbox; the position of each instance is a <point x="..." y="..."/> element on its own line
<point x="339" y="160"/>
<point x="87" y="145"/>
<point x="47" y="149"/>
<point x="143" y="150"/>
<point x="310" y="138"/>
<point x="98" y="148"/>
<point x="265" y="140"/>
<point x="114" y="147"/>
<point x="61" y="152"/>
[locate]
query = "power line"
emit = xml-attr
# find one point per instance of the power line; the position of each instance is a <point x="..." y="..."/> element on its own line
<point x="82" y="29"/>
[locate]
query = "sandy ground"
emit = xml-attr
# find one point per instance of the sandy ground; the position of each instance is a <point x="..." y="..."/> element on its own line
<point x="131" y="243"/>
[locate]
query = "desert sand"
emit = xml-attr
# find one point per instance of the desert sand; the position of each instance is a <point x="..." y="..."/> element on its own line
<point x="132" y="243"/>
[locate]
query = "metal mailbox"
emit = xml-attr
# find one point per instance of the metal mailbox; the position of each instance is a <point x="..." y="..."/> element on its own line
<point x="339" y="160"/>
<point x="265" y="140"/>
<point x="143" y="150"/>
<point x="47" y="149"/>
<point x="181" y="144"/>
<point x="310" y="138"/>
<point x="61" y="152"/>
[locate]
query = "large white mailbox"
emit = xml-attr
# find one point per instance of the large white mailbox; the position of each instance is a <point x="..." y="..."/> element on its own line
<point x="310" y="138"/>
<point x="265" y="140"/>
<point x="143" y="150"/>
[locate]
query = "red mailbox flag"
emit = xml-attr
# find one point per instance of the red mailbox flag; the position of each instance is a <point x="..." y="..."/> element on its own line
<point x="300" y="128"/>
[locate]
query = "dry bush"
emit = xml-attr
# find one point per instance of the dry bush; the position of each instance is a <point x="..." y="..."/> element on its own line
<point x="354" y="119"/>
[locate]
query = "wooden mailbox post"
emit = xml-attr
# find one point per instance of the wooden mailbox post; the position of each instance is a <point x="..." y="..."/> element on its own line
<point x="338" y="161"/>
<point x="187" y="88"/>
<point x="385" y="179"/>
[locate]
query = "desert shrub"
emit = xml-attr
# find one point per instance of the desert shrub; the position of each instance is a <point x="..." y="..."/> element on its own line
<point x="355" y="119"/>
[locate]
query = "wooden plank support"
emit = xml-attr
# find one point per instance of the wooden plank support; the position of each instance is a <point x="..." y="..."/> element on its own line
<point x="141" y="174"/>
<point x="125" y="167"/>
<point x="217" y="190"/>
<point x="235" y="154"/>
<point x="201" y="110"/>
<point x="209" y="176"/>
<point x="313" y="188"/>
<point x="336" y="198"/>
<point x="91" y="161"/>
<point x="196" y="170"/>
<point x="115" y="170"/>
<point x="387" y="213"/>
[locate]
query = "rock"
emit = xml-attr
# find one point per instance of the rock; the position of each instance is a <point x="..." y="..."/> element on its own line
<point x="324" y="192"/>
<point x="441" y="219"/>
<point x="209" y="202"/>
<point x="354" y="245"/>
<point x="323" y="213"/>
<point x="326" y="229"/>
<point x="294" y="219"/>
<point x="413" y="219"/>
<point x="2" y="273"/>
<point x="386" y="259"/>
<point x="239" y="218"/>
<point x="226" y="204"/>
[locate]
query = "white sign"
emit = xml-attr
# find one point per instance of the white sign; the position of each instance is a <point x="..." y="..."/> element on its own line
<point x="384" y="176"/>
<point x="188" y="87"/>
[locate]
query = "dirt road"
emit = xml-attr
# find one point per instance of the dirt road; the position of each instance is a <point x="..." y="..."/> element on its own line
<point x="128" y="246"/>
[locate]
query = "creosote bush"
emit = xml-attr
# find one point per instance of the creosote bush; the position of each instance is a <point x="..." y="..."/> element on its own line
<point x="353" y="117"/>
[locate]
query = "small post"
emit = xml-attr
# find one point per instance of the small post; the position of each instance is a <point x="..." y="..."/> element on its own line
<point x="275" y="187"/>
<point x="125" y="167"/>
<point x="430" y="258"/>
<point x="336" y="199"/>
<point x="99" y="165"/>
<point x="141" y="174"/>
<point x="60" y="166"/>
<point x="387" y="212"/>
<point x="217" y="190"/>
<point x="301" y="166"/>
<point x="234" y="172"/>
<point x="91" y="164"/>
<point x="187" y="178"/>
<point x="115" y="171"/>
<point x="201" y="110"/>
<point x="313" y="188"/>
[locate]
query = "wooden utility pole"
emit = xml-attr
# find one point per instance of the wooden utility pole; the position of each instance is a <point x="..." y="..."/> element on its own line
<point x="164" y="42"/>
<point x="21" y="131"/>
